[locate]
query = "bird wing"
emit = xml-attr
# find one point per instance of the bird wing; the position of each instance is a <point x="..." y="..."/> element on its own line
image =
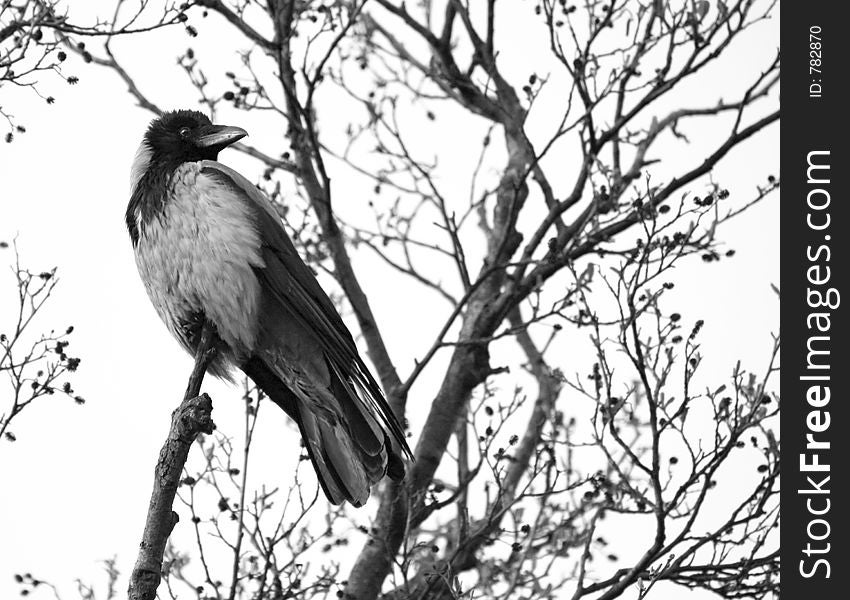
<point x="294" y="283"/>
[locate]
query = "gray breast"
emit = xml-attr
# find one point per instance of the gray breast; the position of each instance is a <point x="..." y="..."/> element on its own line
<point x="198" y="255"/>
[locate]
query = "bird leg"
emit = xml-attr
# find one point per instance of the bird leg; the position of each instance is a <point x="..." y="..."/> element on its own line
<point x="192" y="417"/>
<point x="205" y="354"/>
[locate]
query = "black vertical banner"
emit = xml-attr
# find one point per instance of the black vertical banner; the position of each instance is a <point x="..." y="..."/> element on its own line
<point x="815" y="421"/>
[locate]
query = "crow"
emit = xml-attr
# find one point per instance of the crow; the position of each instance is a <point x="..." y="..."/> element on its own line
<point x="211" y="250"/>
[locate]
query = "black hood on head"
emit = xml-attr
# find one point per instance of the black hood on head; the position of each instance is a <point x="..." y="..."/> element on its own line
<point x="186" y="136"/>
<point x="175" y="138"/>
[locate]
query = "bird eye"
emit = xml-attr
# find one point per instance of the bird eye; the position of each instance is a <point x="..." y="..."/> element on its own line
<point x="184" y="131"/>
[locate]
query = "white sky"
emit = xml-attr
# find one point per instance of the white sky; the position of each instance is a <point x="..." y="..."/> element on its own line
<point x="74" y="487"/>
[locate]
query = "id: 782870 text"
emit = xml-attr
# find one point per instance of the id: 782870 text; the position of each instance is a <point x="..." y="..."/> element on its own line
<point x="815" y="61"/>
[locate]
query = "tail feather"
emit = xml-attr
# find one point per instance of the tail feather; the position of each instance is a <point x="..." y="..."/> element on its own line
<point x="340" y="476"/>
<point x="371" y="438"/>
<point x="365" y="430"/>
<point x="349" y="455"/>
<point x="395" y="464"/>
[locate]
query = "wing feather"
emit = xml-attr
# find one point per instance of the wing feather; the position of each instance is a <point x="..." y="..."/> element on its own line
<point x="286" y="276"/>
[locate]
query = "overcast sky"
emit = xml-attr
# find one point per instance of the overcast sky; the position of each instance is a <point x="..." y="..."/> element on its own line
<point x="75" y="485"/>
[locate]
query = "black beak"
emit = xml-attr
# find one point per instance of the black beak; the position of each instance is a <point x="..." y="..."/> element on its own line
<point x="219" y="136"/>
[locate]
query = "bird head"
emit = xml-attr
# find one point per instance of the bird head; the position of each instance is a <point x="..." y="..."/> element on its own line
<point x="175" y="138"/>
<point x="187" y="136"/>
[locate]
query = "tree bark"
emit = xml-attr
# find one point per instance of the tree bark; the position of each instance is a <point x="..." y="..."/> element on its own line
<point x="192" y="417"/>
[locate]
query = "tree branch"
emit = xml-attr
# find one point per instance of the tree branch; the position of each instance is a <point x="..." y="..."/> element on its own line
<point x="238" y="22"/>
<point x="191" y="418"/>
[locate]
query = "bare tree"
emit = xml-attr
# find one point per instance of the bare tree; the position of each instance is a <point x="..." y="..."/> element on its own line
<point x="565" y="238"/>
